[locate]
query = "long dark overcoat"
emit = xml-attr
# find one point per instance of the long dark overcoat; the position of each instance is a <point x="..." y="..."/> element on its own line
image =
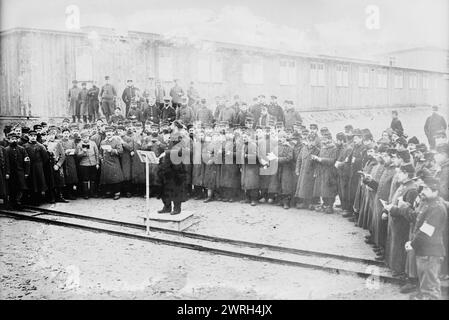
<point x="111" y="170"/>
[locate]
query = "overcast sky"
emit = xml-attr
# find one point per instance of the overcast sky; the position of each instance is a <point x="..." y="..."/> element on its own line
<point x="336" y="27"/>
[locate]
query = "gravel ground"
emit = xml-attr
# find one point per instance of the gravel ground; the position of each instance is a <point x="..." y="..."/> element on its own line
<point x="270" y="224"/>
<point x="50" y="262"/>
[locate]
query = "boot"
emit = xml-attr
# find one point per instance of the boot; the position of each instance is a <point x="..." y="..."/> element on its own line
<point x="85" y="190"/>
<point x="60" y="197"/>
<point x="93" y="190"/>
<point x="176" y="208"/>
<point x="116" y="195"/>
<point x="166" y="208"/>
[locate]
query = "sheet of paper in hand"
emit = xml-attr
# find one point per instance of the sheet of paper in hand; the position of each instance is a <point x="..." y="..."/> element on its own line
<point x="70" y="152"/>
<point x="271" y="156"/>
<point x="106" y="147"/>
<point x="150" y="155"/>
<point x="427" y="229"/>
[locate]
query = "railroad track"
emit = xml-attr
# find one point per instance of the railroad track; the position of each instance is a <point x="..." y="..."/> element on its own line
<point x="337" y="264"/>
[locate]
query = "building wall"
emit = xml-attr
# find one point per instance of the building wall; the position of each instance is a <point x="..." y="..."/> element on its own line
<point x="37" y="69"/>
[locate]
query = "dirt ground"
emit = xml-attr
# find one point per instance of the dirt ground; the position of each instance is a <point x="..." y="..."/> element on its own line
<point x="49" y="262"/>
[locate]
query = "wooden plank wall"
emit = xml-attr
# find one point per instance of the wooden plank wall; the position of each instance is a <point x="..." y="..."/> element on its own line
<point x="37" y="69"/>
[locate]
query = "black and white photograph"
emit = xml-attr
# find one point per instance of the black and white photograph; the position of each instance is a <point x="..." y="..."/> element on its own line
<point x="237" y="151"/>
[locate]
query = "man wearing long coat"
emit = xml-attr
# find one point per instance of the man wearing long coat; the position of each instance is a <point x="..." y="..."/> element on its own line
<point x="18" y="169"/>
<point x="38" y="156"/>
<point x="326" y="174"/>
<point x="434" y="123"/>
<point x="305" y="168"/>
<point x="72" y="97"/>
<point x="111" y="172"/>
<point x="247" y="157"/>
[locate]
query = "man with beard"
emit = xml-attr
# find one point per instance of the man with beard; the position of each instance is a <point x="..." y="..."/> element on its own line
<point x="111" y="171"/>
<point x="89" y="164"/>
<point x="398" y="222"/>
<point x="305" y="169"/>
<point x="326" y="175"/>
<point x="38" y="156"/>
<point x="18" y="170"/>
<point x="151" y="112"/>
<point x="382" y="188"/>
<point x="172" y="172"/>
<point x="355" y="160"/>
<point x="54" y="172"/>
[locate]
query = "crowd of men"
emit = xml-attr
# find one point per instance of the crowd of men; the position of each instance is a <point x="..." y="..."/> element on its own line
<point x="395" y="187"/>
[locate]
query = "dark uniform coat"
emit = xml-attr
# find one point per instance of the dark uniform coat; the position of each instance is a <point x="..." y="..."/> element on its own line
<point x="286" y="170"/>
<point x="111" y="171"/>
<point x="325" y="172"/>
<point x="306" y="168"/>
<point x="125" y="157"/>
<point x="230" y="171"/>
<point x="250" y="165"/>
<point x="19" y="166"/>
<point x="173" y="175"/>
<point x="4" y="169"/>
<point x="38" y="157"/>
<point x="69" y="166"/>
<point x="73" y="99"/>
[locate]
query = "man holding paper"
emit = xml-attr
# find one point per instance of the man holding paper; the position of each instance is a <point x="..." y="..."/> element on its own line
<point x="427" y="240"/>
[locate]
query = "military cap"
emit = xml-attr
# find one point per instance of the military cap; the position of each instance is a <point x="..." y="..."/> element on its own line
<point x="74" y="81"/>
<point x="43" y="123"/>
<point x="261" y="96"/>
<point x="25" y="129"/>
<point x="203" y="100"/>
<point x="357" y="132"/>
<point x="179" y="124"/>
<point x="32" y="133"/>
<point x="167" y="98"/>
<point x="65" y="129"/>
<point x="435" y="108"/>
<point x="133" y="117"/>
<point x="273" y="96"/>
<point x="396" y="132"/>
<point x="118" y="108"/>
<point x="279" y="124"/>
<point x="297" y="123"/>
<point x="129" y="80"/>
<point x="402" y="141"/>
<point x="349" y="127"/>
<point x="154" y="126"/>
<point x="407" y="168"/>
<point x="313" y="126"/>
<point x="74" y="126"/>
<point x="83" y="84"/>
<point x="87" y="126"/>
<point x="443" y="148"/>
<point x="109" y="128"/>
<point x="138" y="124"/>
<point x="120" y="127"/>
<point x="84" y="133"/>
<point x="127" y="122"/>
<point x="413" y="140"/>
<point x="37" y="126"/>
<point x="324" y="129"/>
<point x="184" y="100"/>
<point x="327" y="135"/>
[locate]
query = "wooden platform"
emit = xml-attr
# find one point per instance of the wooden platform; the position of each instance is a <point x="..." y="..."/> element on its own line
<point x="178" y="222"/>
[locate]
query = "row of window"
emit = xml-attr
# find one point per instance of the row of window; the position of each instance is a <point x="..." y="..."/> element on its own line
<point x="210" y="69"/>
